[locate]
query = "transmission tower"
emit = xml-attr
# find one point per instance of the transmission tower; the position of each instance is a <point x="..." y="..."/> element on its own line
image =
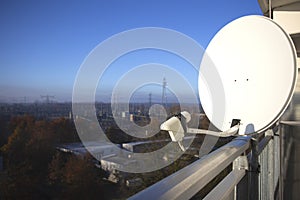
<point x="164" y="93"/>
<point x="150" y="99"/>
<point x="47" y="98"/>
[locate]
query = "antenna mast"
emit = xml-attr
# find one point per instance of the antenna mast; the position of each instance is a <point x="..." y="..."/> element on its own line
<point x="164" y="94"/>
<point x="150" y="99"/>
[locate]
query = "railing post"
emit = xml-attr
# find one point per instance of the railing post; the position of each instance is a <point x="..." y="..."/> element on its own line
<point x="282" y="151"/>
<point x="241" y="189"/>
<point x="254" y="169"/>
<point x="271" y="171"/>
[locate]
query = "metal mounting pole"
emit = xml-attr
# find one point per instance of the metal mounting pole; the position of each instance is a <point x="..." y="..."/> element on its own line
<point x="270" y="9"/>
<point x="254" y="170"/>
<point x="281" y="178"/>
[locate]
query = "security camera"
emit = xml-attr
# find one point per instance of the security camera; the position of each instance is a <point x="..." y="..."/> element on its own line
<point x="177" y="128"/>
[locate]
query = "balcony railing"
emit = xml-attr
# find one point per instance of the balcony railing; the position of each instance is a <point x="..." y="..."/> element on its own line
<point x="258" y="165"/>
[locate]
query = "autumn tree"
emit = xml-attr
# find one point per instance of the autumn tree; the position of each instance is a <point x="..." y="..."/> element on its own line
<point x="3" y="131"/>
<point x="27" y="154"/>
<point x="35" y="171"/>
<point x="56" y="169"/>
<point x="14" y="149"/>
<point x="64" y="130"/>
<point x="18" y="182"/>
<point x="76" y="178"/>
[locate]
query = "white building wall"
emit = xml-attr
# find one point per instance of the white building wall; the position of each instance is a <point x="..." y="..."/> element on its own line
<point x="287" y="14"/>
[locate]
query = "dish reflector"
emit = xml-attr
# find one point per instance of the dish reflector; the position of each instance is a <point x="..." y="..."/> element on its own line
<point x="256" y="61"/>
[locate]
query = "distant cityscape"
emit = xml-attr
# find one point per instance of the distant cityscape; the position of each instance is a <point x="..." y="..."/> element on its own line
<point x="105" y="155"/>
<point x="68" y="145"/>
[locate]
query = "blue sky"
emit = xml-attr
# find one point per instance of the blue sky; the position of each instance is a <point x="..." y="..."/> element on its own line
<point x="43" y="43"/>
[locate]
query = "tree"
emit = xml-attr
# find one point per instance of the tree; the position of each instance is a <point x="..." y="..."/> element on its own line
<point x="35" y="171"/>
<point x="27" y="154"/>
<point x="3" y="131"/>
<point x="14" y="149"/>
<point x="56" y="169"/>
<point x="76" y="178"/>
<point x="64" y="130"/>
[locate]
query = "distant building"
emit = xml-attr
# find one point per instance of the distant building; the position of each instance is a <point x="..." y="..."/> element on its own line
<point x="114" y="162"/>
<point x="131" y="117"/>
<point x="125" y="114"/>
<point x="134" y="182"/>
<point x="114" y="165"/>
<point x="138" y="147"/>
<point x="108" y="155"/>
<point x="98" y="149"/>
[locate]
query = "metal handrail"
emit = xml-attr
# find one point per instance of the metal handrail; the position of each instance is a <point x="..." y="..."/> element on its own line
<point x="186" y="182"/>
<point x="225" y="187"/>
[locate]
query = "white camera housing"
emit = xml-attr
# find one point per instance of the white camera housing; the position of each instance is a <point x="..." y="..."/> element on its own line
<point x="174" y="126"/>
<point x="177" y="128"/>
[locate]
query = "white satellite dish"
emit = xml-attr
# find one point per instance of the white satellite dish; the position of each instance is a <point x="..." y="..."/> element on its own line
<point x="256" y="61"/>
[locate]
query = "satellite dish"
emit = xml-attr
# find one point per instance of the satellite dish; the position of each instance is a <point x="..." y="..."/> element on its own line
<point x="256" y="61"/>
